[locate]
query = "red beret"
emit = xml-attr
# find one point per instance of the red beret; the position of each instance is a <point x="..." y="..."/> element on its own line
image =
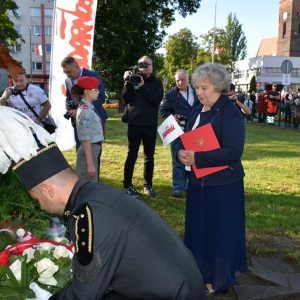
<point x="88" y="82"/>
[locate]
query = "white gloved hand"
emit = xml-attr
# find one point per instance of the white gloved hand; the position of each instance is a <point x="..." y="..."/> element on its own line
<point x="40" y="293"/>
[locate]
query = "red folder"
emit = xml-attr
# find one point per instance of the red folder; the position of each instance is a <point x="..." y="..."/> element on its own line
<point x="202" y="139"/>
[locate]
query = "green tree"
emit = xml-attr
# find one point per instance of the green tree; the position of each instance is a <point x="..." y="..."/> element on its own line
<point x="126" y="30"/>
<point x="252" y="84"/>
<point x="8" y="34"/>
<point x="181" y="51"/>
<point x="229" y="41"/>
<point x="233" y="41"/>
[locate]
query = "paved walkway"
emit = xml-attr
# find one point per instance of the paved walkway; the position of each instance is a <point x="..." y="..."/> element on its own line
<point x="272" y="278"/>
<point x="266" y="278"/>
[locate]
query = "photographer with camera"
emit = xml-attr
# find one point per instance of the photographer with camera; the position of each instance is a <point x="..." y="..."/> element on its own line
<point x="244" y="109"/>
<point x="142" y="94"/>
<point x="33" y="94"/>
<point x="179" y="102"/>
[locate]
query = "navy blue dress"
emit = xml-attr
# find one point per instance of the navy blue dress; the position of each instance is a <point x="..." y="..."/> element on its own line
<point x="215" y="231"/>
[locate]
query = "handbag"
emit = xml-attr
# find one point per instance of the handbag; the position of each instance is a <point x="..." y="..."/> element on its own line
<point x="125" y="116"/>
<point x="48" y="121"/>
<point x="49" y="124"/>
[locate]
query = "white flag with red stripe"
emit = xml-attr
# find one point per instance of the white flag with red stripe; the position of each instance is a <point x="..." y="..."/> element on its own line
<point x="73" y="35"/>
<point x="39" y="50"/>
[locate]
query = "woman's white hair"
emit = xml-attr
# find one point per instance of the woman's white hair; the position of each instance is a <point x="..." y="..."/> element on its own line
<point x="216" y="74"/>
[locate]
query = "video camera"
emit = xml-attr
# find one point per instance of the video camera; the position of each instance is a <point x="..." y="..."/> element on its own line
<point x="135" y="74"/>
<point x="14" y="91"/>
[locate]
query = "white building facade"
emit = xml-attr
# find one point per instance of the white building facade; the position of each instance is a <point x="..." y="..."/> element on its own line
<point x="267" y="70"/>
<point x="34" y="23"/>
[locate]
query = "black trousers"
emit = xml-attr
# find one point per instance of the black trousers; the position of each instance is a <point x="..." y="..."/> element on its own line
<point x="287" y="116"/>
<point x="136" y="135"/>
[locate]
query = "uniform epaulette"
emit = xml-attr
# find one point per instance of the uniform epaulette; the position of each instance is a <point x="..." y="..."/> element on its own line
<point x="84" y="234"/>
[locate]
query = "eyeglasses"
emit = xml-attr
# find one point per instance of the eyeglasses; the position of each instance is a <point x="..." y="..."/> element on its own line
<point x="96" y="90"/>
<point x="274" y="85"/>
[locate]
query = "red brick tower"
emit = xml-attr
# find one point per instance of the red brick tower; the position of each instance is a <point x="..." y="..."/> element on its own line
<point x="289" y="28"/>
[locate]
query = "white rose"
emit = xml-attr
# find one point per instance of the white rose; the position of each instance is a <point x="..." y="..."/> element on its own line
<point x="46" y="268"/>
<point x="48" y="281"/>
<point x="46" y="247"/>
<point x="60" y="251"/>
<point x="16" y="269"/>
<point x="20" y="232"/>
<point x="30" y="254"/>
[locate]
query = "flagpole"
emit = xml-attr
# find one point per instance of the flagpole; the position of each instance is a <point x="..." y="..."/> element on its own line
<point x="214" y="35"/>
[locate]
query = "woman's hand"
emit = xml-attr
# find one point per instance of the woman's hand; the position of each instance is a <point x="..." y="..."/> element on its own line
<point x="186" y="157"/>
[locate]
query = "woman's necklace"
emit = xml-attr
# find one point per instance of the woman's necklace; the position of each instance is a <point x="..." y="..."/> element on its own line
<point x="203" y="108"/>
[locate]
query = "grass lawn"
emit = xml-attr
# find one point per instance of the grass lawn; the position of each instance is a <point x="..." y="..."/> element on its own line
<point x="271" y="161"/>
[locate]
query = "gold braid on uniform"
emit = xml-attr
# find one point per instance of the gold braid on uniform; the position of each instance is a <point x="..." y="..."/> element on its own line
<point x="86" y="264"/>
<point x="90" y="229"/>
<point x="40" y="151"/>
<point x="83" y="234"/>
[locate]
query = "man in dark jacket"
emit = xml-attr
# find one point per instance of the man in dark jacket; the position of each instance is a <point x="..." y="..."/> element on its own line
<point x="179" y="102"/>
<point x="142" y="99"/>
<point x="123" y="249"/>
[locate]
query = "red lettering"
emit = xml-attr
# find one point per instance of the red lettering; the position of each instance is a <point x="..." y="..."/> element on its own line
<point x="80" y="36"/>
<point x="64" y="90"/>
<point x="168" y="130"/>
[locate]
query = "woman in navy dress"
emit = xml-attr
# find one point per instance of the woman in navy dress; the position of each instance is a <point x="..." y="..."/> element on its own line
<point x="215" y="204"/>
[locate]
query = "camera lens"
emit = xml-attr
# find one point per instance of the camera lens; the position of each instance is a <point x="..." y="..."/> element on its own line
<point x="67" y="116"/>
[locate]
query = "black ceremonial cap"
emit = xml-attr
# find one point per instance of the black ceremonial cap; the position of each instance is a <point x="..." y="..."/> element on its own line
<point x="48" y="162"/>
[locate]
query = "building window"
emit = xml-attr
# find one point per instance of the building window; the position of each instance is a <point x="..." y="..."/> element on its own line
<point x="36" y="30"/>
<point x="284" y="30"/>
<point x="33" y="47"/>
<point x="17" y="48"/>
<point x="258" y="72"/>
<point x="48" y="48"/>
<point x="49" y="12"/>
<point x="35" y="12"/>
<point x="48" y="30"/>
<point x="295" y="72"/>
<point x="37" y="66"/>
<point x="18" y="29"/>
<point x="18" y="12"/>
<point x="273" y="70"/>
<point x="48" y="65"/>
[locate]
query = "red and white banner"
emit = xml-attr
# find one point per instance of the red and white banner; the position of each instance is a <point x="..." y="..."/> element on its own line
<point x="39" y="50"/>
<point x="73" y="35"/>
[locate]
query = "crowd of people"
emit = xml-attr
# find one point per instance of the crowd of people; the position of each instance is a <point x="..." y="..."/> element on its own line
<point x="264" y="106"/>
<point x="124" y="250"/>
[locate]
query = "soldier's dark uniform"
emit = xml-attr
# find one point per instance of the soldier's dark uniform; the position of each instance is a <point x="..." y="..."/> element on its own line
<point x="122" y="244"/>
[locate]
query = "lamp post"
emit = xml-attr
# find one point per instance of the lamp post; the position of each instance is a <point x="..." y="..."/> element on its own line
<point x="30" y="44"/>
<point x="214" y="35"/>
<point x="30" y="52"/>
